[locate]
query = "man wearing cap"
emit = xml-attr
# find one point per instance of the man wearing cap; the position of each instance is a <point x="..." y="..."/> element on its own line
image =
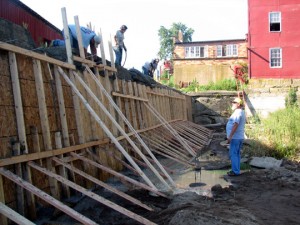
<point x="89" y="38"/>
<point x="119" y="44"/>
<point x="235" y="130"/>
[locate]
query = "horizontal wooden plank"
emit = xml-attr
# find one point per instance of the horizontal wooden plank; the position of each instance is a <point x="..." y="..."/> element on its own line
<point x="93" y="64"/>
<point x="144" y="130"/>
<point x="129" y="96"/>
<point x="85" y="61"/>
<point x="163" y="95"/>
<point x="32" y="54"/>
<point x="49" y="153"/>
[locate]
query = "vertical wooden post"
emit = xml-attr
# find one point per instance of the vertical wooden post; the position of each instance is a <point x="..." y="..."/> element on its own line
<point x="70" y="60"/>
<point x="20" y="191"/>
<point x="21" y="128"/>
<point x="67" y="36"/>
<point x="44" y="119"/>
<point x="108" y="86"/>
<point x="3" y="219"/>
<point x="138" y="106"/>
<point x="116" y="87"/>
<point x="62" y="170"/>
<point x="18" y="100"/>
<point x="62" y="108"/>
<point x="133" y="106"/>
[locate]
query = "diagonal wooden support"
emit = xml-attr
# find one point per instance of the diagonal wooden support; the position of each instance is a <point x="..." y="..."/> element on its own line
<point x="92" y="195"/>
<point x="13" y="215"/>
<point x="118" y="175"/>
<point x="106" y="130"/>
<point x="102" y="184"/>
<point x="136" y="135"/>
<point x="170" y="128"/>
<point x="137" y="150"/>
<point x="47" y="198"/>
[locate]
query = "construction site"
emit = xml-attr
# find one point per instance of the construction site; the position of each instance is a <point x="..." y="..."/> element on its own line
<point x="91" y="143"/>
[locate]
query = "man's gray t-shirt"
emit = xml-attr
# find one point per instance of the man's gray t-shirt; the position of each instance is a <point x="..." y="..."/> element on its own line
<point x="120" y="38"/>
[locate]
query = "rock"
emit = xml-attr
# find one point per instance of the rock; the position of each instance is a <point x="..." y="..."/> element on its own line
<point x="265" y="162"/>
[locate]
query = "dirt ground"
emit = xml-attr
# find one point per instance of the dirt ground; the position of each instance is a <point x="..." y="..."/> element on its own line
<point x="258" y="196"/>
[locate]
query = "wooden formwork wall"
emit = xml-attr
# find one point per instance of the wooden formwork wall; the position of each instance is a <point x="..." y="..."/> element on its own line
<point x="127" y="94"/>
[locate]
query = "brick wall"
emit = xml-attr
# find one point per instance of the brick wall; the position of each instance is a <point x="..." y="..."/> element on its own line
<point x="210" y="68"/>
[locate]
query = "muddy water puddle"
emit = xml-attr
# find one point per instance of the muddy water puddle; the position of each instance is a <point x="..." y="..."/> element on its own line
<point x="200" y="181"/>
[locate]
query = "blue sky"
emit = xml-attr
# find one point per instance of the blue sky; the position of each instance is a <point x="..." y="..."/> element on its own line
<point x="211" y="20"/>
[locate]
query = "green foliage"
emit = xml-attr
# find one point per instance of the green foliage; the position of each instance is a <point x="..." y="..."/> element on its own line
<point x="170" y="82"/>
<point x="291" y="98"/>
<point x="166" y="38"/>
<point x="280" y="132"/>
<point x="226" y="84"/>
<point x="244" y="71"/>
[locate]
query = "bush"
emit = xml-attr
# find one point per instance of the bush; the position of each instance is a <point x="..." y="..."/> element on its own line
<point x="291" y="99"/>
<point x="280" y="132"/>
<point x="226" y="84"/>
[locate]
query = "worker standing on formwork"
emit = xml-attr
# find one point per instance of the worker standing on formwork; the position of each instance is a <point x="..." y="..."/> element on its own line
<point x="119" y="45"/>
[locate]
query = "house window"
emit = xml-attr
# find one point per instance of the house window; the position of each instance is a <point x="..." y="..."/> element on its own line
<point x="196" y="52"/>
<point x="275" y="58"/>
<point x="275" y="21"/>
<point x="227" y="50"/>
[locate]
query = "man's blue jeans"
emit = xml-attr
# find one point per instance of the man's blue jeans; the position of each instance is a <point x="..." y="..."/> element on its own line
<point x="145" y="71"/>
<point x="118" y="52"/>
<point x="235" y="154"/>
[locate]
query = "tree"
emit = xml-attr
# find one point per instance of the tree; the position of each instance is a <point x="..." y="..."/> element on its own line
<point x="166" y="37"/>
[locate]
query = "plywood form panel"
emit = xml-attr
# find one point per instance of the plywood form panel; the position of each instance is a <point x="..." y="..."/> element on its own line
<point x="4" y="64"/>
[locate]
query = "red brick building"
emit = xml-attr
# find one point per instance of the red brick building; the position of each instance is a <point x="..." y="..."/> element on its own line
<point x="274" y="39"/>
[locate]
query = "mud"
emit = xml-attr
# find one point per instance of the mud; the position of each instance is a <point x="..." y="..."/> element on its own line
<point x="258" y="196"/>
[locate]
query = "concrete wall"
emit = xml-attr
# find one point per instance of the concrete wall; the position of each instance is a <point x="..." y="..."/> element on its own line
<point x="211" y="107"/>
<point x="262" y="97"/>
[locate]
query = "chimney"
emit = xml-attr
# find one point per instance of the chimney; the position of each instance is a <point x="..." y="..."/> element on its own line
<point x="180" y="36"/>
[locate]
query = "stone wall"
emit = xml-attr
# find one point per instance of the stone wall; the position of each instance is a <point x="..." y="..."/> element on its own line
<point x="268" y="95"/>
<point x="15" y="34"/>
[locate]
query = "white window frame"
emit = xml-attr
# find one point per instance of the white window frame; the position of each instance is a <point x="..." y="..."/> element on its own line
<point x="275" y="56"/>
<point x="195" y="51"/>
<point x="275" y="19"/>
<point x="231" y="50"/>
